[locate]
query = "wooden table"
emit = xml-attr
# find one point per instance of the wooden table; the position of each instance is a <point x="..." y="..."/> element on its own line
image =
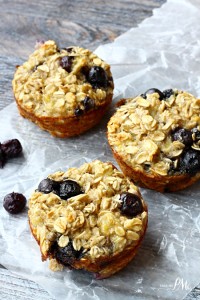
<point x="86" y="23"/>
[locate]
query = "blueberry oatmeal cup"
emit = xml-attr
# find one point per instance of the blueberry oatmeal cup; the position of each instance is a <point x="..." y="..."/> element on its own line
<point x="90" y="218"/>
<point x="64" y="91"/>
<point x="155" y="138"/>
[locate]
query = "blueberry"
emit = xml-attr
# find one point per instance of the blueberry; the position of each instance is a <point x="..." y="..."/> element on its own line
<point x="48" y="185"/>
<point x="182" y="135"/>
<point x="152" y="91"/>
<point x="97" y="77"/>
<point x="88" y="103"/>
<point x="69" y="49"/>
<point x="69" y="188"/>
<point x="2" y="157"/>
<point x="36" y="66"/>
<point x="190" y="161"/>
<point x="11" y="148"/>
<point x="196" y="134"/>
<point x="66" y="255"/>
<point x="14" y="203"/>
<point x="168" y="93"/>
<point x="131" y="204"/>
<point x="78" y="112"/>
<point x="66" y="63"/>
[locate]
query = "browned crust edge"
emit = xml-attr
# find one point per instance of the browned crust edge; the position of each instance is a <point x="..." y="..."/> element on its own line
<point x="155" y="181"/>
<point x="64" y="127"/>
<point x="103" y="267"/>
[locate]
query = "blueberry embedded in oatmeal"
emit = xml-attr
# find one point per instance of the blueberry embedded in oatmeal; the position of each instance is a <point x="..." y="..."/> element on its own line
<point x="183" y="135"/>
<point x="190" y="161"/>
<point x="69" y="188"/>
<point x="66" y="63"/>
<point x="88" y="103"/>
<point x="98" y="77"/>
<point x="48" y="185"/>
<point x="96" y="222"/>
<point x="168" y="93"/>
<point x="66" y="255"/>
<point x="131" y="204"/>
<point x="153" y="91"/>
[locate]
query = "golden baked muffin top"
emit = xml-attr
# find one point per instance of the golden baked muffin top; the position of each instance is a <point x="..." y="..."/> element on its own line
<point x="62" y="82"/>
<point x="91" y="212"/>
<point x="158" y="132"/>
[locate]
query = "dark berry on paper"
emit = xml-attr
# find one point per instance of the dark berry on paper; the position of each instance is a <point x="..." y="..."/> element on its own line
<point x="69" y="188"/>
<point x="48" y="185"/>
<point x="2" y="158"/>
<point x="14" y="203"/>
<point x="131" y="204"/>
<point x="11" y="148"/>
<point x="190" y="161"/>
<point x="97" y="77"/>
<point x="182" y="135"/>
<point x="66" y="63"/>
<point x="152" y="91"/>
<point x="65" y="255"/>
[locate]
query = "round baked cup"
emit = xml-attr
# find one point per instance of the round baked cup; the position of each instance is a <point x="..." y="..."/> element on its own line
<point x="107" y="239"/>
<point x="63" y="98"/>
<point x="141" y="135"/>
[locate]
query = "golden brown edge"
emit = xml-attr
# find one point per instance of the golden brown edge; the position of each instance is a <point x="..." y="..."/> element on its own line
<point x="67" y="126"/>
<point x="155" y="181"/>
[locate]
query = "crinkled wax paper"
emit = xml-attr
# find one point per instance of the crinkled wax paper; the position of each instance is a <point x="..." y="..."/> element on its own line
<point x="163" y="52"/>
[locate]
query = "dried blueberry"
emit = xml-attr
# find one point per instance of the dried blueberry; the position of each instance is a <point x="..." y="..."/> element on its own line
<point x="196" y="134"/>
<point x="152" y="91"/>
<point x="85" y="71"/>
<point x="69" y="49"/>
<point x="168" y="93"/>
<point x="97" y="77"/>
<point x="65" y="255"/>
<point x="66" y="63"/>
<point x="69" y="188"/>
<point x="131" y="204"/>
<point x="78" y="112"/>
<point x="36" y="66"/>
<point x="14" y="203"/>
<point x="48" y="185"/>
<point x="2" y="157"/>
<point x="11" y="148"/>
<point x="182" y="135"/>
<point x="190" y="161"/>
<point x="88" y="103"/>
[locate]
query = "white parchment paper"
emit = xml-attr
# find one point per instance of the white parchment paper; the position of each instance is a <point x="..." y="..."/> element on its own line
<point x="163" y="52"/>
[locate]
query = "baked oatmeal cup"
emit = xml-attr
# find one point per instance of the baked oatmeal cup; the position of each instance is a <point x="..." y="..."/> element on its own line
<point x="90" y="218"/>
<point x="155" y="138"/>
<point x="64" y="91"/>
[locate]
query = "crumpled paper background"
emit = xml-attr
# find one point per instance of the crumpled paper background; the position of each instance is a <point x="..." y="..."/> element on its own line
<point x="163" y="52"/>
